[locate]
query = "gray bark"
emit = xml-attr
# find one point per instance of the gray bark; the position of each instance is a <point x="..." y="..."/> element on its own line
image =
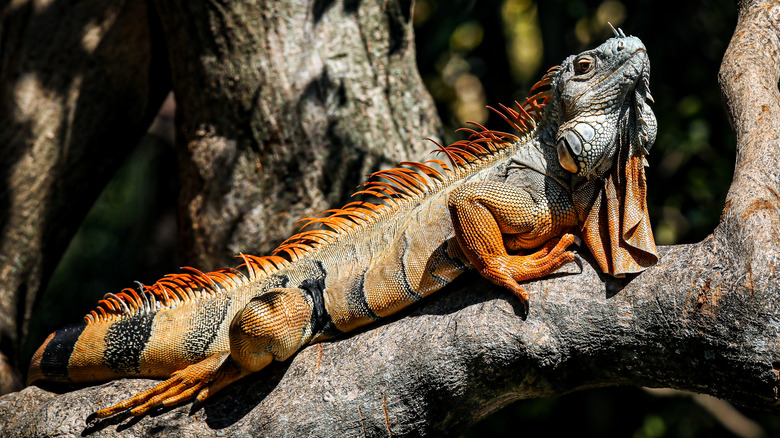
<point x="705" y="319"/>
<point x="285" y="107"/>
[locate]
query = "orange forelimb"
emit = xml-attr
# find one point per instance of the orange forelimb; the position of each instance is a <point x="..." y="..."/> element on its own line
<point x="491" y="217"/>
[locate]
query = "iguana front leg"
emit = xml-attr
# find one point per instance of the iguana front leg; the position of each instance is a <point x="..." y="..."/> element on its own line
<point x="489" y="217"/>
<point x="271" y="326"/>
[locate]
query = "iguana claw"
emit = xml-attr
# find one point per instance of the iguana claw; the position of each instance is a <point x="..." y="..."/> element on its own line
<point x="578" y="262"/>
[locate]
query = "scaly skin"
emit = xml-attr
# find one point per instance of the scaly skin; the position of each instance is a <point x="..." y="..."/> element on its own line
<point x="507" y="206"/>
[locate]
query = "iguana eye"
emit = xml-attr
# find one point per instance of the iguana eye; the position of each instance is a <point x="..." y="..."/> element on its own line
<point x="583" y="65"/>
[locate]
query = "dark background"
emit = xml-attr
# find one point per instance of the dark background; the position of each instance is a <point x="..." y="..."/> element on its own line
<point x="471" y="54"/>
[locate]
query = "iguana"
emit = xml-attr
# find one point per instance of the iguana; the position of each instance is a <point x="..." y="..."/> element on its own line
<point x="506" y="205"/>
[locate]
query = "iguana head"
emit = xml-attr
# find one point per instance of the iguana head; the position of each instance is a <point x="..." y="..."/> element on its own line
<point x="606" y="128"/>
<point x="604" y="92"/>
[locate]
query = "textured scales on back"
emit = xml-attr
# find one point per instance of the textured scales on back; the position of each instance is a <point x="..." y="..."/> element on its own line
<point x="507" y="205"/>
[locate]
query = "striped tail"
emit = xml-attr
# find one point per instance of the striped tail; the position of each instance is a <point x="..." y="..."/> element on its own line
<point x="82" y="352"/>
<point x="51" y="360"/>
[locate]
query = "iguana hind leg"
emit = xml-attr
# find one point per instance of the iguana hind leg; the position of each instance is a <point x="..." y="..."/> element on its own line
<point x="183" y="385"/>
<point x="272" y="326"/>
<point x="489" y="217"/>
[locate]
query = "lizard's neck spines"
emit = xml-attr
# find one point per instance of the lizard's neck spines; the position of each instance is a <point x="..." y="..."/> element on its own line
<point x="388" y="191"/>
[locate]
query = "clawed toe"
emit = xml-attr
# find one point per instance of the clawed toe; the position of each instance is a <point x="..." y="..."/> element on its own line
<point x="578" y="262"/>
<point x="195" y="381"/>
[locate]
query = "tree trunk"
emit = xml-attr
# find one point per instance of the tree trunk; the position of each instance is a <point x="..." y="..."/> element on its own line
<point x="705" y="319"/>
<point x="75" y="97"/>
<point x="285" y="106"/>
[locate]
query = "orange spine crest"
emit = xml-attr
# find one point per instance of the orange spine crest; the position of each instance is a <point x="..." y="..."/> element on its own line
<point x="390" y="189"/>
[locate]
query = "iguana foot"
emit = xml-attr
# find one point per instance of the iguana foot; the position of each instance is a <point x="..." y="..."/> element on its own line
<point x="509" y="270"/>
<point x="545" y="249"/>
<point x="198" y="380"/>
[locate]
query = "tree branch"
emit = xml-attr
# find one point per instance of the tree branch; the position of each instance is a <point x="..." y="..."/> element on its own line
<point x="705" y="319"/>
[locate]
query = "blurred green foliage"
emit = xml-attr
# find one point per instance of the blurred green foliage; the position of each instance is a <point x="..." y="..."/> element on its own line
<point x="609" y="412"/>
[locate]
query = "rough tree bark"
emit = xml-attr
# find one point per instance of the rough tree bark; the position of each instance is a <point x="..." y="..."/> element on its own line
<point x="285" y="106"/>
<point x="705" y="319"/>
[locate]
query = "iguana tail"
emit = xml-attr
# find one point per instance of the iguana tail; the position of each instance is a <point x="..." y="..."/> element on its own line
<point x="89" y="353"/>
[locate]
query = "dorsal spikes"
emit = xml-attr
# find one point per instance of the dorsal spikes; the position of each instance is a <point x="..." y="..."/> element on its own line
<point x="441" y="164"/>
<point x="202" y="278"/>
<point x="389" y="190"/>
<point x="249" y="266"/>
<point x="382" y="190"/>
<point x="613" y="30"/>
<point x="454" y="160"/>
<point x="397" y="175"/>
<point x="429" y="171"/>
<point x="618" y="33"/>
<point x="147" y="303"/>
